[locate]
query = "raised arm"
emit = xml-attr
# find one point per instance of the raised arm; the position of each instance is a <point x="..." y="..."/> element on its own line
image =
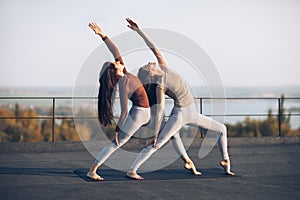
<point x="111" y="46"/>
<point x="160" y="58"/>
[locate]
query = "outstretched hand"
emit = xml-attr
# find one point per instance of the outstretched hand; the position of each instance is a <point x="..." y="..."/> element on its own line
<point x="153" y="143"/>
<point x="96" y="29"/>
<point x="132" y="24"/>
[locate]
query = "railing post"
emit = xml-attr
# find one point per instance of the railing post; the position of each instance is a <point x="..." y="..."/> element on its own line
<point x="279" y="116"/>
<point x="201" y="104"/>
<point x="53" y="119"/>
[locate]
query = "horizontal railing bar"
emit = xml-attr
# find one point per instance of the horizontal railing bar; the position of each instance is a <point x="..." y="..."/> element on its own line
<point x="40" y="117"/>
<point x="249" y="115"/>
<point x="48" y="117"/>
<point x="48" y="98"/>
<point x="216" y="115"/>
<point x="204" y="98"/>
<point x="246" y="98"/>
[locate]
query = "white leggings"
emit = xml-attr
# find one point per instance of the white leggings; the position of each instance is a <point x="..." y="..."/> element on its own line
<point x="176" y="140"/>
<point x="180" y="117"/>
<point x="137" y="117"/>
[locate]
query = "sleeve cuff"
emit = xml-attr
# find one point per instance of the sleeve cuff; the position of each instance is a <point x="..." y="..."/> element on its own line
<point x="117" y="129"/>
<point x="104" y="38"/>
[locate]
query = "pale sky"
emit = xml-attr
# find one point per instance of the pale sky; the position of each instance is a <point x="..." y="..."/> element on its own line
<point x="252" y="42"/>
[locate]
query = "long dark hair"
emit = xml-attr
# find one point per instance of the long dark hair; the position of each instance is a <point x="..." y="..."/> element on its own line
<point x="108" y="81"/>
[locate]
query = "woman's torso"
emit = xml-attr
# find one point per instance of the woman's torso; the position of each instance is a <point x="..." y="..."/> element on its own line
<point x="135" y="90"/>
<point x="176" y="88"/>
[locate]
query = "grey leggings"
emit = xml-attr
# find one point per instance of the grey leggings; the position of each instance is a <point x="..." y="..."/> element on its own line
<point x="180" y="117"/>
<point x="137" y="117"/>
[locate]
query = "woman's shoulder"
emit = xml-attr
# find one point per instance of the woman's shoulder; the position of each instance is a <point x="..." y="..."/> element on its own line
<point x="130" y="78"/>
<point x="128" y="74"/>
<point x="134" y="80"/>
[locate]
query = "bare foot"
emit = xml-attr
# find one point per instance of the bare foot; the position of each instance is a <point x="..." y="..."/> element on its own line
<point x="134" y="175"/>
<point x="190" y="166"/>
<point x="94" y="176"/>
<point x="226" y="166"/>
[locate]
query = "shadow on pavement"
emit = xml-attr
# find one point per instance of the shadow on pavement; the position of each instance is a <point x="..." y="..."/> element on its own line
<point x="164" y="174"/>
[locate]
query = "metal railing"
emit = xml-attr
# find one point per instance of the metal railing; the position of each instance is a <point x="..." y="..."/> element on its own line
<point x="279" y="113"/>
<point x="53" y="117"/>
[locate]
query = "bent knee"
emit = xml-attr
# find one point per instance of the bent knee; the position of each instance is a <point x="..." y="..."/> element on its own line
<point x="223" y="129"/>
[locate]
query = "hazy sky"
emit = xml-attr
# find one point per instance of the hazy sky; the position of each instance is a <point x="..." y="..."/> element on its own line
<point x="252" y="42"/>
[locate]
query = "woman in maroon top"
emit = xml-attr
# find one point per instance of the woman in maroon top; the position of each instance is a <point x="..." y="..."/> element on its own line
<point x="130" y="87"/>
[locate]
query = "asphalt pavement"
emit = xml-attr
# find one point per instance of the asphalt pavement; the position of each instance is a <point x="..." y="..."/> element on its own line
<point x="266" y="168"/>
